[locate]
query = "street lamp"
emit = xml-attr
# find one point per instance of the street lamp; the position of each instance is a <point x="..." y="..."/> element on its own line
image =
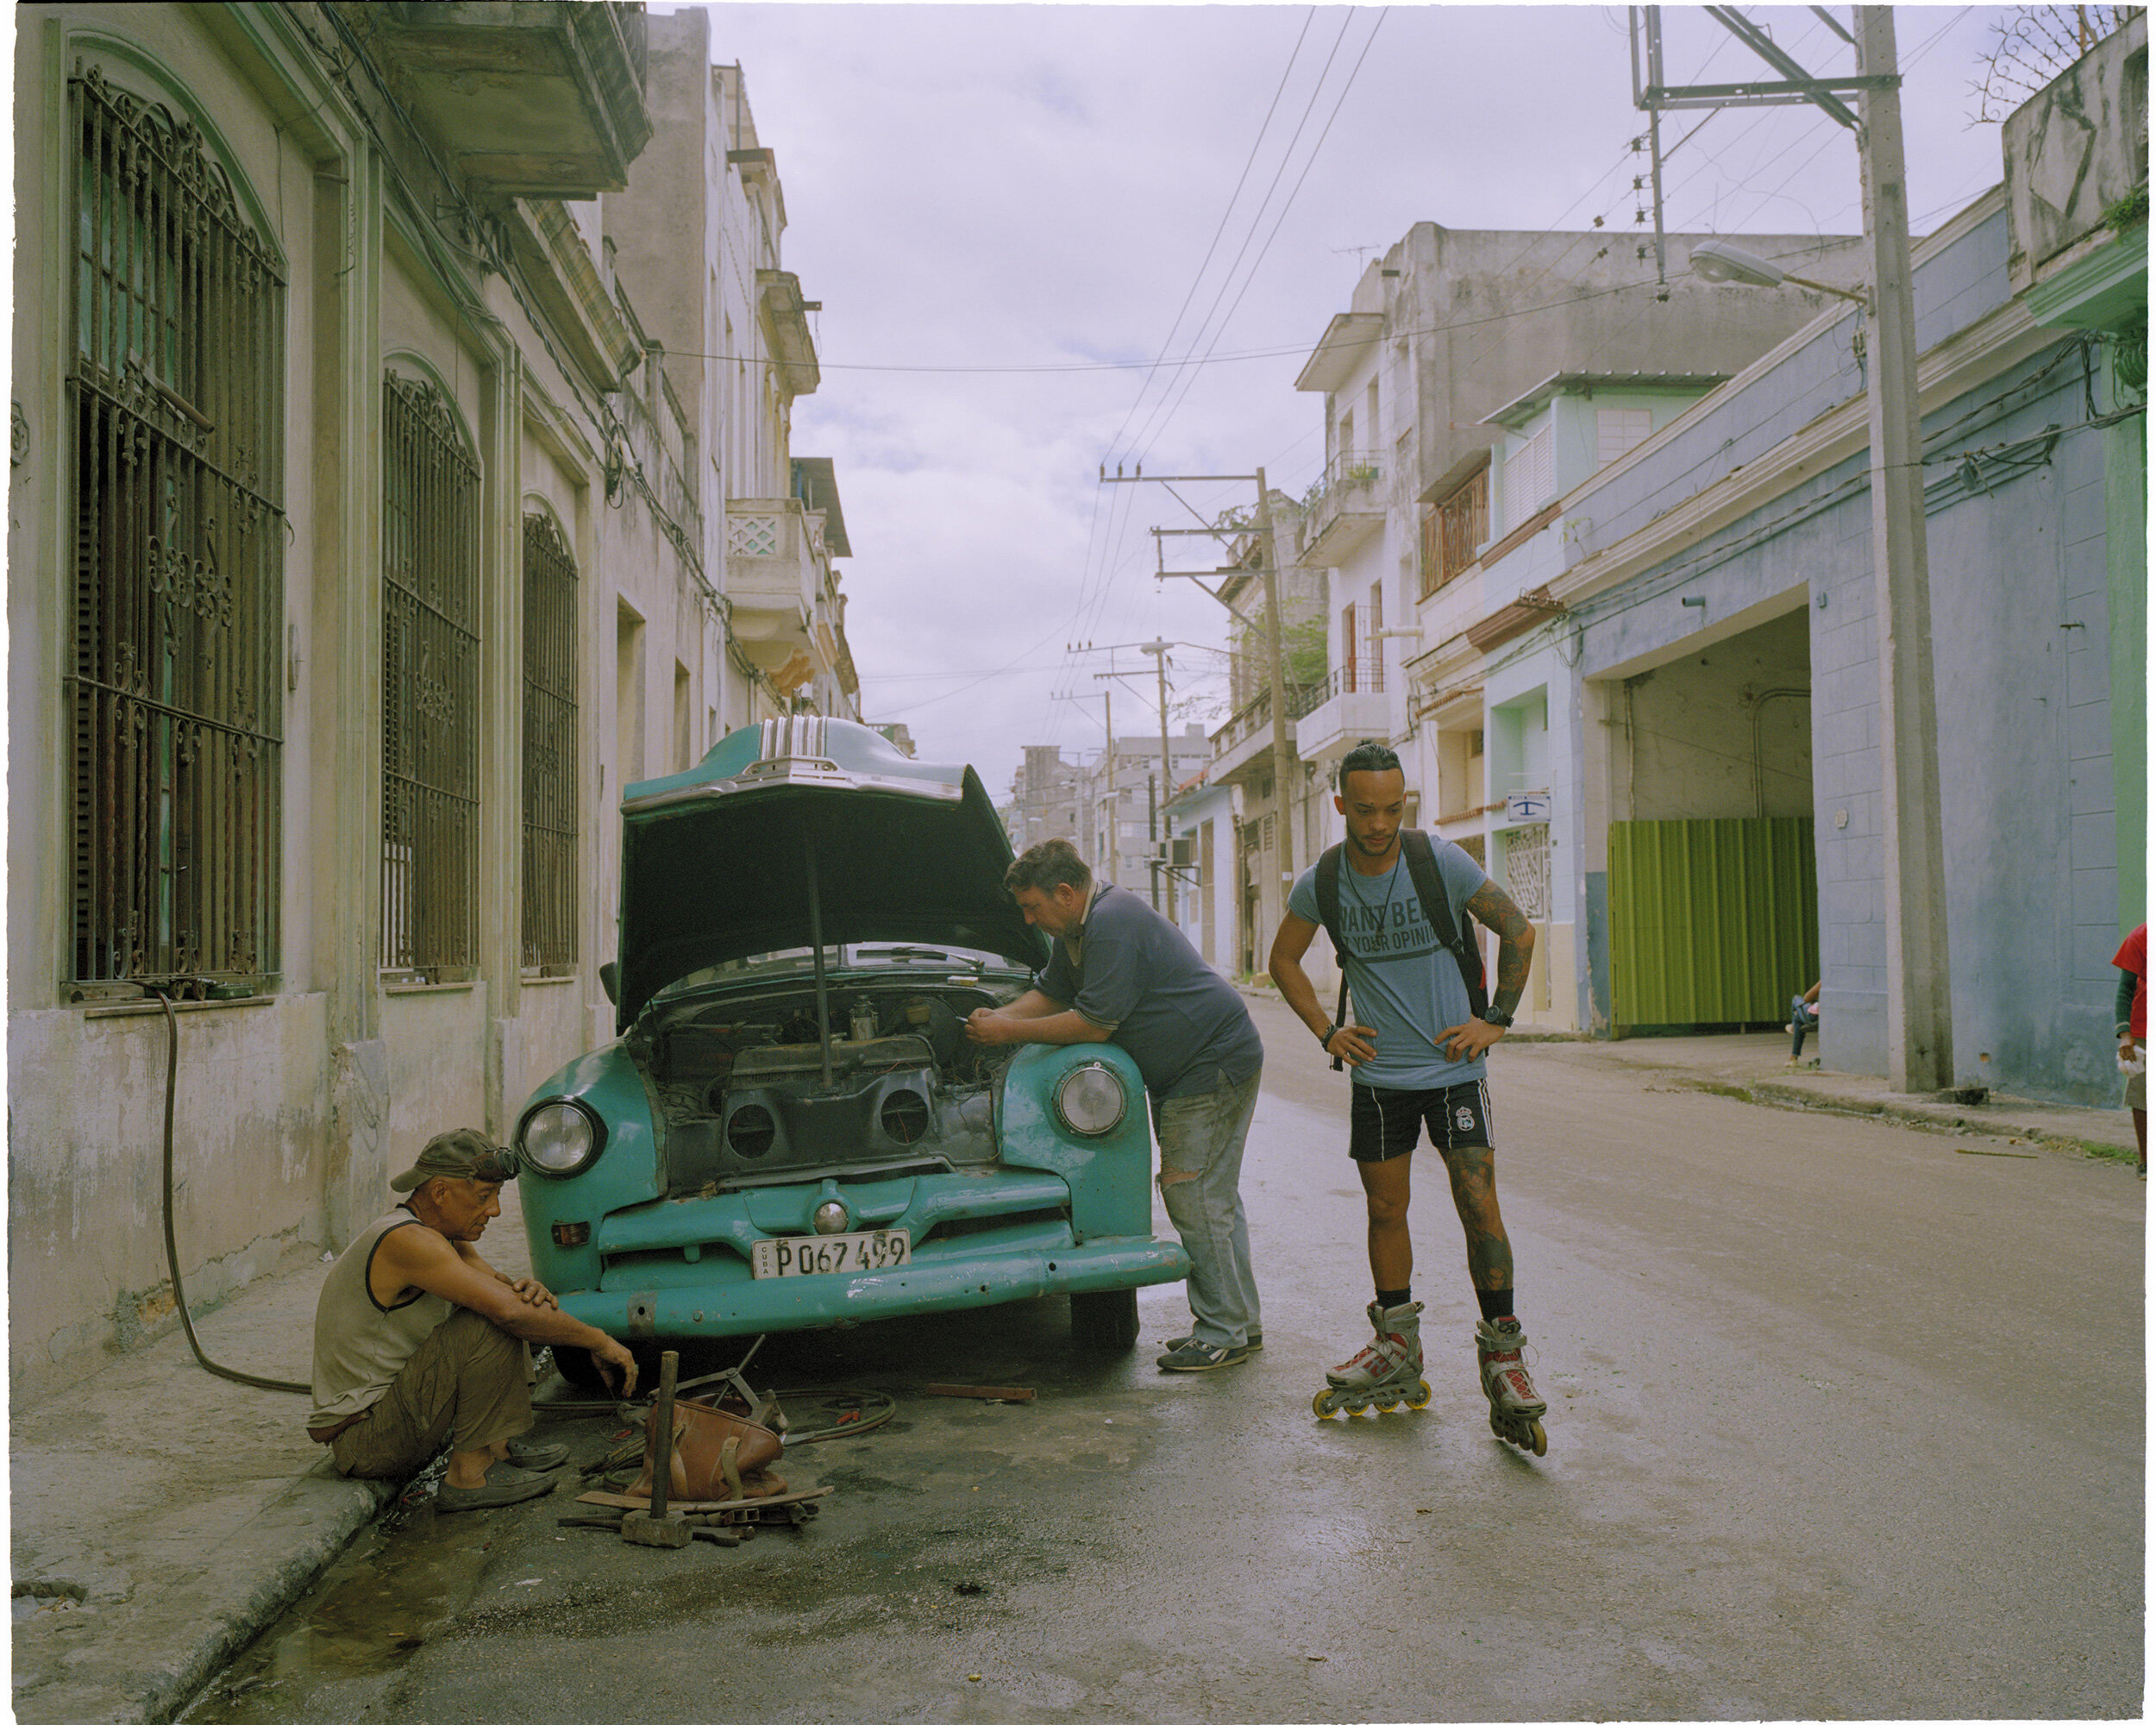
<point x="1717" y="260"/>
<point x="1919" y="1002"/>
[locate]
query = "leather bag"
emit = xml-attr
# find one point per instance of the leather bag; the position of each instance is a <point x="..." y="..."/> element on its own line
<point x="718" y="1456"/>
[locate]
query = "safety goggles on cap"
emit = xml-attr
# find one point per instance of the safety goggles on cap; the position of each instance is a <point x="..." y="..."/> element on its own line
<point x="465" y="1153"/>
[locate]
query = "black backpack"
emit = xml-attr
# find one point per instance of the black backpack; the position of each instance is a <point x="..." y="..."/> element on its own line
<point x="1457" y="934"/>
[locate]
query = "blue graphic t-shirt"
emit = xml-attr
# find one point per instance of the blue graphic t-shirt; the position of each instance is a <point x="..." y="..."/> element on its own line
<point x="1405" y="987"/>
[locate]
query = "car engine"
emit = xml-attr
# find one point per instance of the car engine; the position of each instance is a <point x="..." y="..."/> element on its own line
<point x="742" y="1085"/>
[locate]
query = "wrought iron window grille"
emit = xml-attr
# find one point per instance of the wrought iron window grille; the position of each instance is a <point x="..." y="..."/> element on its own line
<point x="430" y="688"/>
<point x="175" y="404"/>
<point x="550" y="751"/>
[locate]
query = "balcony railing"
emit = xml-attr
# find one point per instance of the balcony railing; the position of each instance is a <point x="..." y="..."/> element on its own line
<point x="1348" y="505"/>
<point x="1453" y="532"/>
<point x="1256" y="715"/>
<point x="1361" y="676"/>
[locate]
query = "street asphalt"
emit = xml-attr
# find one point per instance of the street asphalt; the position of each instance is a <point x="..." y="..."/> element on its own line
<point x="164" y="1518"/>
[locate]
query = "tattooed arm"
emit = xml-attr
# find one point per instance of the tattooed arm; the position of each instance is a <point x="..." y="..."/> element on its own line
<point x="1515" y="950"/>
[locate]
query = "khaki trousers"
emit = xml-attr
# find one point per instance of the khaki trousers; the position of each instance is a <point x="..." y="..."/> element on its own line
<point x="470" y="1382"/>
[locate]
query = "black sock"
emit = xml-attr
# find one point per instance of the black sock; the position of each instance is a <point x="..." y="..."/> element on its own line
<point x="1389" y="1297"/>
<point x="1496" y="1303"/>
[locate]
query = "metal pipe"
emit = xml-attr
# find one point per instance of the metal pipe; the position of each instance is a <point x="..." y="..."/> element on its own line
<point x="1759" y="746"/>
<point x="815" y="947"/>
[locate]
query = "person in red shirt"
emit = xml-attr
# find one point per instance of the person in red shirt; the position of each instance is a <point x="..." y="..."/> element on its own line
<point x="2131" y="1016"/>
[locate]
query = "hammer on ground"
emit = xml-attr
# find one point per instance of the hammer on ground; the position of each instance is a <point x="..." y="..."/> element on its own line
<point x="655" y="1526"/>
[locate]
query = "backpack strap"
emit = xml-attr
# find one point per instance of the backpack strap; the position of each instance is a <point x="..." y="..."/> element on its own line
<point x="1457" y="933"/>
<point x="1328" y="885"/>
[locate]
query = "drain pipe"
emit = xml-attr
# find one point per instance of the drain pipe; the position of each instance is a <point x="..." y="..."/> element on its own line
<point x="1759" y="743"/>
<point x="171" y="1248"/>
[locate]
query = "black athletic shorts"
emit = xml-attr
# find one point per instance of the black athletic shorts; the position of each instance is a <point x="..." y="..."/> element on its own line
<point x="1384" y="1123"/>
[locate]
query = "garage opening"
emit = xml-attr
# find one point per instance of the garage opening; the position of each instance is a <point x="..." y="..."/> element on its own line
<point x="1714" y="888"/>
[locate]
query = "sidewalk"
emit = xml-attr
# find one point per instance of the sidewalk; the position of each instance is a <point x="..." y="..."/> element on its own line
<point x="163" y="1517"/>
<point x="1758" y="1067"/>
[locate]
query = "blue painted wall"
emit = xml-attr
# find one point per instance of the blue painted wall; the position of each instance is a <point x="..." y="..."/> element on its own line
<point x="2017" y="557"/>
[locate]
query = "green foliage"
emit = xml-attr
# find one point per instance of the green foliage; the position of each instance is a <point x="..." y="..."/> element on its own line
<point x="1302" y="651"/>
<point x="2130" y="208"/>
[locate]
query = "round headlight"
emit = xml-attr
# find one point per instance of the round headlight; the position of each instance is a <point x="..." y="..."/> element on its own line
<point x="1090" y="1100"/>
<point x="558" y="1138"/>
<point x="831" y="1218"/>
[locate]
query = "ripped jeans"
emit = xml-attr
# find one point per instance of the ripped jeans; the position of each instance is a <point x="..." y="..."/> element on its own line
<point x="1201" y="1178"/>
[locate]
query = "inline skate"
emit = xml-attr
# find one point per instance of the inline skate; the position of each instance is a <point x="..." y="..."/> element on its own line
<point x="1386" y="1373"/>
<point x="1515" y="1409"/>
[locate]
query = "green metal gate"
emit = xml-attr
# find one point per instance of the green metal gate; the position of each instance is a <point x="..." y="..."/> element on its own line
<point x="1711" y="922"/>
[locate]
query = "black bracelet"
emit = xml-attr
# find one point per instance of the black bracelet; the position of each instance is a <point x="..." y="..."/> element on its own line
<point x="1328" y="1034"/>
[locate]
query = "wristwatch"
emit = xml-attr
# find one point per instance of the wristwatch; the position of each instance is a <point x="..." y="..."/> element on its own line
<point x="1502" y="1019"/>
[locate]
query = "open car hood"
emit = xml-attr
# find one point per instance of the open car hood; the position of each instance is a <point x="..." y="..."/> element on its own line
<point x="718" y="862"/>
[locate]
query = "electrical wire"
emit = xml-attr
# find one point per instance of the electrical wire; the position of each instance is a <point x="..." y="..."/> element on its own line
<point x="1152" y="432"/>
<point x="1258" y="215"/>
<point x="1249" y="161"/>
<point x="172" y="1245"/>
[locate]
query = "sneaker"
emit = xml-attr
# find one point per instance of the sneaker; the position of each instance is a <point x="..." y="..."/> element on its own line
<point x="1256" y="1344"/>
<point x="504" y="1485"/>
<point x="1190" y="1354"/>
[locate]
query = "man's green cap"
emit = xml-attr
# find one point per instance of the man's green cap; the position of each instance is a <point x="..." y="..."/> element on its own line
<point x="465" y="1153"/>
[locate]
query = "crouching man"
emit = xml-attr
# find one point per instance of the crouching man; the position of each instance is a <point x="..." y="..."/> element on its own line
<point x="418" y="1338"/>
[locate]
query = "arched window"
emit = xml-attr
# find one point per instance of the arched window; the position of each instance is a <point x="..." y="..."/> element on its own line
<point x="430" y="688"/>
<point x="175" y="389"/>
<point x="550" y="614"/>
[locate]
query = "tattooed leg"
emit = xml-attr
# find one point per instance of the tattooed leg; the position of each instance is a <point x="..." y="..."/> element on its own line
<point x="1474" y="1171"/>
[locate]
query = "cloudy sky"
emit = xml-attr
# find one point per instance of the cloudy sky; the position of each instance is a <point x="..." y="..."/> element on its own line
<point x="1010" y="213"/>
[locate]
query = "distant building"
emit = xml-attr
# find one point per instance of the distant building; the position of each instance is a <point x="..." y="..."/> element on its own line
<point x="1044" y="797"/>
<point x="1122" y="819"/>
<point x="1448" y="326"/>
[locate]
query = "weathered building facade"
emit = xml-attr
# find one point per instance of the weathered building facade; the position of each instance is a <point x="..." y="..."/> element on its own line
<point x="1643" y="671"/>
<point x="363" y="543"/>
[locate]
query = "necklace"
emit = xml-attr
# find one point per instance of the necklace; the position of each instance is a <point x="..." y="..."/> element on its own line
<point x="1385" y="910"/>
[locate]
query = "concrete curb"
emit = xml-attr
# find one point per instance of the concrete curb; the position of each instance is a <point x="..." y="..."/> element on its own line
<point x="251" y="1578"/>
<point x="1914" y="1111"/>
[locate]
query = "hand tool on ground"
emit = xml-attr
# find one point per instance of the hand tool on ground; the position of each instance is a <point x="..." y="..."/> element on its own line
<point x="700" y="1506"/>
<point x="652" y="1526"/>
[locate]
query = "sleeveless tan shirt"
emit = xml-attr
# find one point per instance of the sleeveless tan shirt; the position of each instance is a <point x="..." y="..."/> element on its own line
<point x="361" y="1345"/>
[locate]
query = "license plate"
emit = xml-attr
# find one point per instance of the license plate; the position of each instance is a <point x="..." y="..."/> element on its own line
<point x="831" y="1254"/>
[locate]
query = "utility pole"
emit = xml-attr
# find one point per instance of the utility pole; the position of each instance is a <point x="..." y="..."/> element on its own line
<point x="1115" y="823"/>
<point x="1283" y="756"/>
<point x="1107" y="761"/>
<point x="1159" y="650"/>
<point x="1262" y="527"/>
<point x="1920" y="1040"/>
<point x="1920" y="1009"/>
<point x="1115" y="830"/>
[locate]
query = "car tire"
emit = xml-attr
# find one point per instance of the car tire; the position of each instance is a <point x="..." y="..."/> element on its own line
<point x="1106" y="1323"/>
<point x="580" y="1371"/>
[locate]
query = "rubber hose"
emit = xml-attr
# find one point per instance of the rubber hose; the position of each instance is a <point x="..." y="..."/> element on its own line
<point x="171" y="1247"/>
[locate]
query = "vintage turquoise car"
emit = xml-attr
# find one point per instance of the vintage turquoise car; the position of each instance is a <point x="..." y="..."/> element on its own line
<point x="792" y="1129"/>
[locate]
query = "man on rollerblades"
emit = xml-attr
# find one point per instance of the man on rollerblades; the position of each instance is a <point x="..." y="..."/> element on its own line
<point x="1397" y="904"/>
